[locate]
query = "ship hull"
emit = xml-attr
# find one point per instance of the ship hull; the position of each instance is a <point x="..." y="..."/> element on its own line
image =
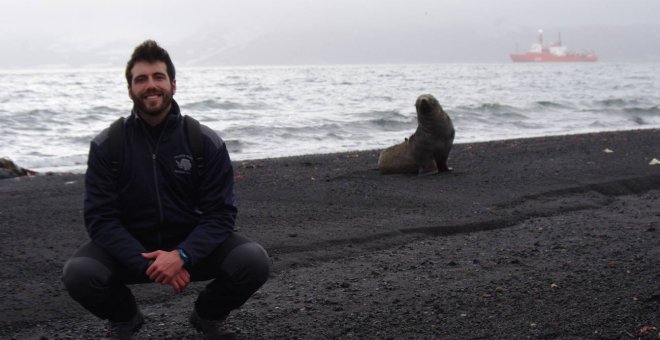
<point x="531" y="57"/>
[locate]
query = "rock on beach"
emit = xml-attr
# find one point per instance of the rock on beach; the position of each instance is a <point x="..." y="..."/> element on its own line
<point x="8" y="169"/>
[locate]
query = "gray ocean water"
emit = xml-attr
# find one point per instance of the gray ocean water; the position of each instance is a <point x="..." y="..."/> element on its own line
<point x="47" y="118"/>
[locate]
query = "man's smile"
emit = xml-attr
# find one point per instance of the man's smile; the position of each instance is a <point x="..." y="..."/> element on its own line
<point x="153" y="96"/>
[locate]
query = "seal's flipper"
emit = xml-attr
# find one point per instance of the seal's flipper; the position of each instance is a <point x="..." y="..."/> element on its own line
<point x="428" y="168"/>
<point x="441" y="158"/>
<point x="444" y="167"/>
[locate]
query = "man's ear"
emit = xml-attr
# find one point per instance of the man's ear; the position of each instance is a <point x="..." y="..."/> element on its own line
<point x="173" y="87"/>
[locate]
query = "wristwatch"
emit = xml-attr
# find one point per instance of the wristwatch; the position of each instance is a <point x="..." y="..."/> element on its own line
<point x="185" y="258"/>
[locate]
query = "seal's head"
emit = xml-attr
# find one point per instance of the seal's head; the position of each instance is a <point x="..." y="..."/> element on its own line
<point x="426" y="105"/>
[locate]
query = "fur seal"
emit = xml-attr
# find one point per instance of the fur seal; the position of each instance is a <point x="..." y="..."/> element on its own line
<point x="427" y="150"/>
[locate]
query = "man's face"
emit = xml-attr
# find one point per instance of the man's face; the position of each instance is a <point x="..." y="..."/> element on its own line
<point x="151" y="88"/>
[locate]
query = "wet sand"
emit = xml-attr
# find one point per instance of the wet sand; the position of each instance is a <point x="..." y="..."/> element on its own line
<point x="553" y="237"/>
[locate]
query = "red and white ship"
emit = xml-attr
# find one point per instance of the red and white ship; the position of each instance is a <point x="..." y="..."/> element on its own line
<point x="554" y="52"/>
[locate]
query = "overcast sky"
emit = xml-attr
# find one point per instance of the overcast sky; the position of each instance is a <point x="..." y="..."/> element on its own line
<point x="75" y="33"/>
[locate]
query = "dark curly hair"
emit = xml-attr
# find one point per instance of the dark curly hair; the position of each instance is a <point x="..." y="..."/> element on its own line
<point x="149" y="51"/>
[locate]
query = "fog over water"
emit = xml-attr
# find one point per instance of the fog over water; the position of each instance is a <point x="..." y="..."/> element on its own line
<point x="77" y="33"/>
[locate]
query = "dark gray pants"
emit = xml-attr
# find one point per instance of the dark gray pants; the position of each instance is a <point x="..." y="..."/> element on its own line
<point x="98" y="282"/>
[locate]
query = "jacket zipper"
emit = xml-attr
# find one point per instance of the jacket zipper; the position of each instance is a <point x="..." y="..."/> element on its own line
<point x="154" y="154"/>
<point x="160" y="204"/>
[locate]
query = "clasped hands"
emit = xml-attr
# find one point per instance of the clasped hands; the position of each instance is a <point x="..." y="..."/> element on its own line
<point x="166" y="268"/>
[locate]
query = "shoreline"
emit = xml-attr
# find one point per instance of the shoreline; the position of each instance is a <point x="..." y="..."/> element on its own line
<point x="535" y="237"/>
<point x="77" y="170"/>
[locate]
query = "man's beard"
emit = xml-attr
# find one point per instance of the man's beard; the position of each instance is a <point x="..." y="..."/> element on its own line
<point x="142" y="107"/>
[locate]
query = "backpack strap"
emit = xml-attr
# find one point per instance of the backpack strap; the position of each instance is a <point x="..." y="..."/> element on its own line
<point x="116" y="140"/>
<point x="196" y="142"/>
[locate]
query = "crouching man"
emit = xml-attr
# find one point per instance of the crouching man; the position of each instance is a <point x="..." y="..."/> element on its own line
<point x="157" y="212"/>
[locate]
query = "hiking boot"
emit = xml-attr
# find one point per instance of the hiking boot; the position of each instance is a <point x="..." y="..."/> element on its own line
<point x="212" y="329"/>
<point x="124" y="330"/>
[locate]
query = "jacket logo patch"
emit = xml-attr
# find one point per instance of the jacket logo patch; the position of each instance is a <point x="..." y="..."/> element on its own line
<point x="183" y="164"/>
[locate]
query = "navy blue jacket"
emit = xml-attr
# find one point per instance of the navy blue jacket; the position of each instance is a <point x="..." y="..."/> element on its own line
<point x="155" y="203"/>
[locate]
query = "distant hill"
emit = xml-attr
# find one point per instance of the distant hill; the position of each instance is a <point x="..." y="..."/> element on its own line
<point x="415" y="44"/>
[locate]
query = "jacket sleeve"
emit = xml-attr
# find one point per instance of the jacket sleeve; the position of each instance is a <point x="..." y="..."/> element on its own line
<point x="216" y="201"/>
<point x="101" y="211"/>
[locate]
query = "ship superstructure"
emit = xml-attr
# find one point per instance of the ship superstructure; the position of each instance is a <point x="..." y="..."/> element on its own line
<point x="554" y="52"/>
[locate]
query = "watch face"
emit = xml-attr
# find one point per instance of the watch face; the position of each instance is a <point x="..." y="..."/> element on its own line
<point x="183" y="254"/>
<point x="185" y="258"/>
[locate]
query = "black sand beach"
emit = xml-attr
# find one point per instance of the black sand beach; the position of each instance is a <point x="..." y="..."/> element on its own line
<point x="543" y="238"/>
